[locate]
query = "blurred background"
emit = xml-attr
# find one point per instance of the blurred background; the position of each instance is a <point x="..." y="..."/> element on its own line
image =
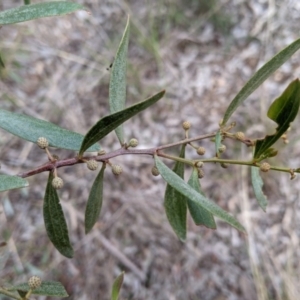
<point x="202" y="52"/>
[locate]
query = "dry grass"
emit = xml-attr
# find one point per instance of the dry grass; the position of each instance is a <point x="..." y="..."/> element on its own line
<point x="202" y="54"/>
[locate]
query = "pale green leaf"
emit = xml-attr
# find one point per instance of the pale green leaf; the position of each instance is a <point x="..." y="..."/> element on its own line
<point x="47" y="288"/>
<point x="11" y="182"/>
<point x="30" y="129"/>
<point x="257" y="184"/>
<point x="94" y="202"/>
<point x="38" y="10"/>
<point x="116" y="288"/>
<point x="178" y="183"/>
<point x="175" y="202"/>
<point x="117" y="85"/>
<point x="109" y="123"/>
<point x="218" y="140"/>
<point x="199" y="214"/>
<point x="260" y="76"/>
<point x="55" y="222"/>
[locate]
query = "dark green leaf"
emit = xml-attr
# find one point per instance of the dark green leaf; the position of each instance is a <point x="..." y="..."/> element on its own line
<point x="218" y="140"/>
<point x="11" y="182"/>
<point x="36" y="11"/>
<point x="2" y="65"/>
<point x="47" y="288"/>
<point x="94" y="203"/>
<point x="115" y="291"/>
<point x="283" y="111"/>
<point x="30" y="129"/>
<point x="175" y="202"/>
<point x="117" y="85"/>
<point x="21" y="293"/>
<point x="176" y="182"/>
<point x="55" y="222"/>
<point x="199" y="214"/>
<point x="257" y="184"/>
<point x="26" y="2"/>
<point x="109" y="123"/>
<point x="260" y="76"/>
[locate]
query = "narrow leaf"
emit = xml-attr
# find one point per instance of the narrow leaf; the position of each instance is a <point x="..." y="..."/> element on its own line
<point x="55" y="222"/>
<point x="257" y="184"/>
<point x="117" y="86"/>
<point x="116" y="288"/>
<point x="47" y="288"/>
<point x="218" y="140"/>
<point x="175" y="202"/>
<point x="199" y="214"/>
<point x="109" y="123"/>
<point x="283" y="111"/>
<point x="260" y="76"/>
<point x="2" y="65"/>
<point x="94" y="203"/>
<point x="176" y="182"/>
<point x="36" y="11"/>
<point x="11" y="182"/>
<point x="30" y="129"/>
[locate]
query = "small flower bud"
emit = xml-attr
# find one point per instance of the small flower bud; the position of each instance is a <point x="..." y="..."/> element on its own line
<point x="154" y="171"/>
<point x="42" y="142"/>
<point x="222" y="149"/>
<point x="239" y="136"/>
<point x="57" y="183"/>
<point x="186" y="125"/>
<point x="224" y="166"/>
<point x="201" y="150"/>
<point x="92" y="164"/>
<point x="116" y="169"/>
<point x="133" y="143"/>
<point x="265" y="167"/>
<point x="34" y="282"/>
<point x="101" y="152"/>
<point x="199" y="164"/>
<point x="200" y="173"/>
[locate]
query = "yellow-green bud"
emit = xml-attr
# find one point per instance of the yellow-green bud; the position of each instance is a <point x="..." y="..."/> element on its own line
<point x="199" y="164"/>
<point x="34" y="282"/>
<point x="116" y="169"/>
<point x="239" y="136"/>
<point x="101" y="152"/>
<point x="92" y="164"/>
<point x="133" y="143"/>
<point x="186" y="125"/>
<point x="42" y="142"/>
<point x="201" y="150"/>
<point x="222" y="149"/>
<point x="154" y="171"/>
<point x="200" y="173"/>
<point x="265" y="167"/>
<point x="57" y="183"/>
<point x="224" y="165"/>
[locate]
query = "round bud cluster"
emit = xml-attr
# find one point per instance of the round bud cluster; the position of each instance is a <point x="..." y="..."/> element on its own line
<point x="222" y="149"/>
<point x="199" y="164"/>
<point x="186" y="125"/>
<point x="34" y="282"/>
<point x="201" y="150"/>
<point x="200" y="173"/>
<point x="239" y="135"/>
<point x="265" y="167"/>
<point x="92" y="164"/>
<point x="133" y="143"/>
<point x="116" y="169"/>
<point x="42" y="142"/>
<point x="57" y="183"/>
<point x="154" y="171"/>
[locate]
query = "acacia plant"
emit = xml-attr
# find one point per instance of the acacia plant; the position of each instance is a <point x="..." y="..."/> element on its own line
<point x="180" y="196"/>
